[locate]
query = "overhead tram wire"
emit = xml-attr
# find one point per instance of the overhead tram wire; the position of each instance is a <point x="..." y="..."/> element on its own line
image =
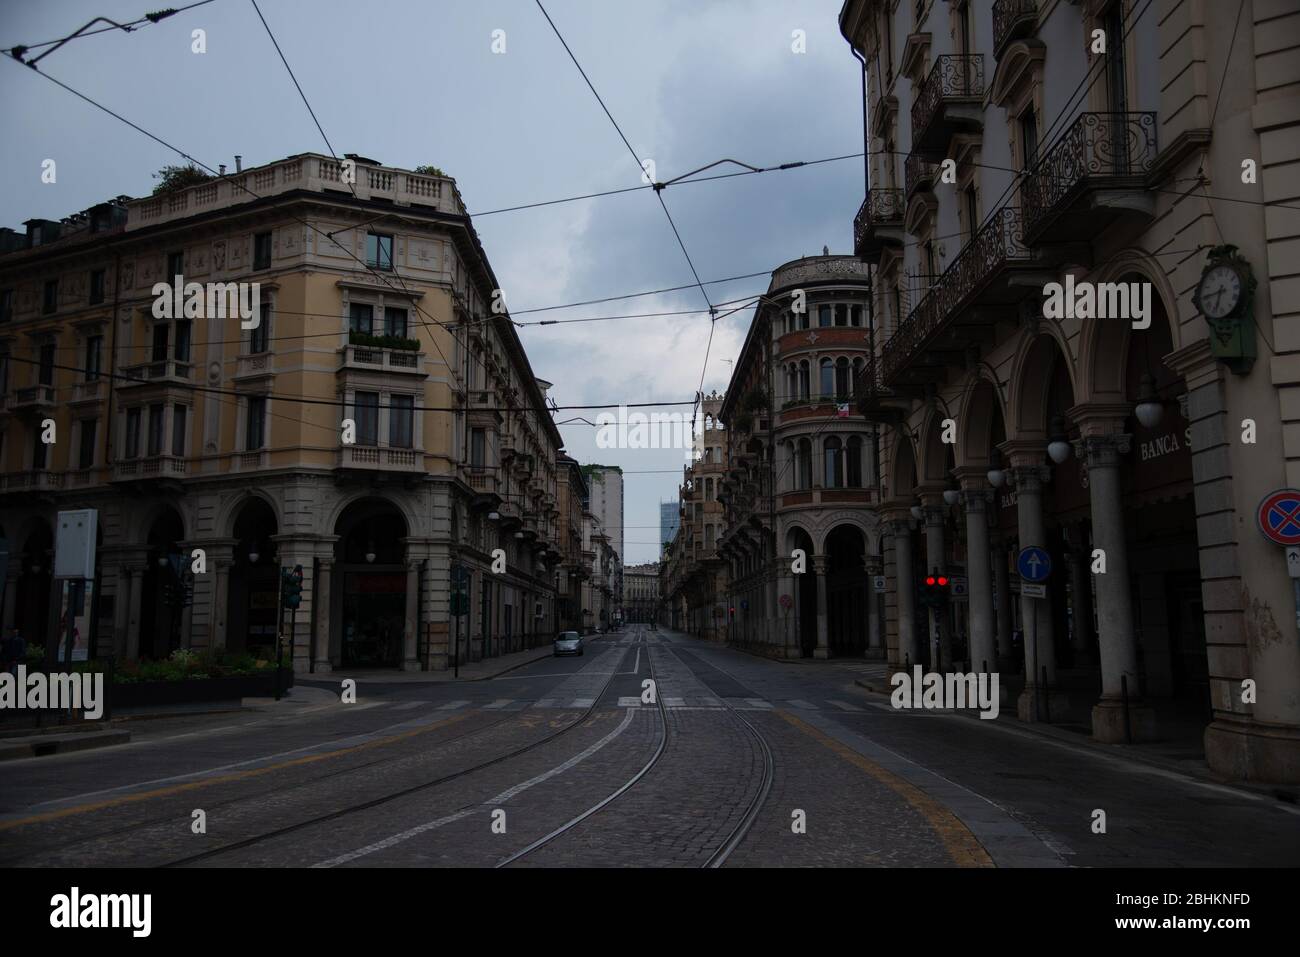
<point x="18" y="49"/>
<point x="641" y="167"/>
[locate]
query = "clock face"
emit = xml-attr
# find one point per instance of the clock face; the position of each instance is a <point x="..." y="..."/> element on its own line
<point x="1219" y="293"/>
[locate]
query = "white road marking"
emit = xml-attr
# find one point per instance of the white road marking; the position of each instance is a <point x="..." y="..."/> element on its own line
<point x="408" y="705"/>
<point x="629" y="701"/>
<point x="489" y="804"/>
<point x="582" y="702"/>
<point x="674" y="702"/>
<point x="544" y="703"/>
<point x="806" y="706"/>
<point x="498" y="704"/>
<point x="759" y="703"/>
<point x="843" y="706"/>
<point x="452" y="705"/>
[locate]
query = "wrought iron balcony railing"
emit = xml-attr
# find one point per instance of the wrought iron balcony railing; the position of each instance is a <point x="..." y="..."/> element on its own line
<point x="1000" y="241"/>
<point x="953" y="77"/>
<point x="882" y="207"/>
<point x="1012" y="19"/>
<point x="1097" y="148"/>
<point x="918" y="173"/>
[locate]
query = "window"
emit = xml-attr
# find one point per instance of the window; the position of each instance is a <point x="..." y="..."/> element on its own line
<point x="853" y="462"/>
<point x="259" y="337"/>
<point x="6" y="305"/>
<point x="39" y="451"/>
<point x="262" y="251"/>
<point x="156" y="413"/>
<point x="803" y="461"/>
<point x="1028" y="139"/>
<point x="828" y="377"/>
<point x="365" y="410"/>
<point x="395" y="322"/>
<point x="805" y="386"/>
<point x="843" y="383"/>
<point x="972" y="211"/>
<point x="160" y="334"/>
<point x="183" y="340"/>
<point x="178" y="430"/>
<point x="841" y="314"/>
<point x="379" y="251"/>
<point x="804" y="320"/>
<point x="855" y="315"/>
<point x="255" y="424"/>
<point x="362" y="318"/>
<point x="96" y="286"/>
<point x="477" y="448"/>
<point x="94" y="347"/>
<point x="400" y="416"/>
<point x="86" y="459"/>
<point x="175" y="266"/>
<point x="50" y="296"/>
<point x="45" y="366"/>
<point x="132" y="449"/>
<point x="824" y="316"/>
<point x="834" y="477"/>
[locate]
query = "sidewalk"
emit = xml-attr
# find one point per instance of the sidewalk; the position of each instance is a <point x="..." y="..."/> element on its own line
<point x="469" y="670"/>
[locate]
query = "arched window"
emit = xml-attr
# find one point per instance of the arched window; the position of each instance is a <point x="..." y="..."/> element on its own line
<point x="855" y="315"/>
<point x="841" y="314"/>
<point x="853" y="462"/>
<point x="834" y="469"/>
<point x="858" y="365"/>
<point x="823" y="316"/>
<point x="828" y="378"/>
<point x="804" y="463"/>
<point x="804" y="385"/>
<point x="792" y="467"/>
<point x="843" y="384"/>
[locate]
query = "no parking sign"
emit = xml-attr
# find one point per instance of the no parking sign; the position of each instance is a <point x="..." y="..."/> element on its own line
<point x="1279" y="516"/>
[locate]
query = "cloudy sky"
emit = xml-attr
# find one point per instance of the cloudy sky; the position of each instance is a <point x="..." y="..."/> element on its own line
<point x="689" y="81"/>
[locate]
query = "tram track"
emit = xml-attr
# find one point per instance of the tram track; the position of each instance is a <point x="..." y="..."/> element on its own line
<point x="736" y="834"/>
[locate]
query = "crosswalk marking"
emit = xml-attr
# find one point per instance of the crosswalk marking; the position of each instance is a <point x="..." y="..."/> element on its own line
<point x="498" y="704"/>
<point x="691" y="702"/>
<point x="452" y="705"/>
<point x="759" y="703"/>
<point x="582" y="702"/>
<point x="674" y="702"/>
<point x="408" y="705"/>
<point x="843" y="706"/>
<point x="798" y="703"/>
<point x="629" y="701"/>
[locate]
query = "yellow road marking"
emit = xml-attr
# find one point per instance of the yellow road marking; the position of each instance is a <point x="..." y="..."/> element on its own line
<point x="233" y="776"/>
<point x="961" y="845"/>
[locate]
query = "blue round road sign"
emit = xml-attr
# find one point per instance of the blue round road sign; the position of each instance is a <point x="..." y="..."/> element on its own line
<point x="1034" y="563"/>
<point x="1279" y="516"/>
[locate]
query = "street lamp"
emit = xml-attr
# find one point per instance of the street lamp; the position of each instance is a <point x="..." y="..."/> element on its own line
<point x="1149" y="411"/>
<point x="370" y="552"/>
<point x="1058" y="449"/>
<point x="996" y="475"/>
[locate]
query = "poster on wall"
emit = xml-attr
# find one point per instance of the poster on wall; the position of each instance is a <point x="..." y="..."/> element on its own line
<point x="80" y="613"/>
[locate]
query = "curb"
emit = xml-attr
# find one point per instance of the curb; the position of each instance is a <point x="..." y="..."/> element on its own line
<point x="42" y="745"/>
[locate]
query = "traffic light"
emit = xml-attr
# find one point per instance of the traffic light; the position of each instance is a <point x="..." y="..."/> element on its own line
<point x="935" y="592"/>
<point x="291" y="586"/>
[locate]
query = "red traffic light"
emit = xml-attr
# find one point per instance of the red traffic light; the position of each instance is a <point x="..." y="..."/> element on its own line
<point x="943" y="581"/>
<point x="929" y="580"/>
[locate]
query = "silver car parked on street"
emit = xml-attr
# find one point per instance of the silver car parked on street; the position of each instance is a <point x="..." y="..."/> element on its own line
<point x="568" y="643"/>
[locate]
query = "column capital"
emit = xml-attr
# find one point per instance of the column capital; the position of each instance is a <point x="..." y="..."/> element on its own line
<point x="1103" y="451"/>
<point x="1028" y="478"/>
<point x="976" y="500"/>
<point x="819" y="564"/>
<point x="1025" y="451"/>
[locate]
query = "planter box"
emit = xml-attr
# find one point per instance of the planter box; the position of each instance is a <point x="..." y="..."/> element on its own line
<point x="133" y="694"/>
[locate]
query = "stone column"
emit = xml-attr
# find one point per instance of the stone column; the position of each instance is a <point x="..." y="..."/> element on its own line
<point x="979" y="573"/>
<point x="823" y="649"/>
<point x="1002" y="578"/>
<point x="936" y="557"/>
<point x="1035" y="613"/>
<point x="410" y="659"/>
<point x="136" y="571"/>
<point x="220" y="602"/>
<point x="875" y="633"/>
<point x="909" y="646"/>
<point x="1116" y="639"/>
<point x="320" y="663"/>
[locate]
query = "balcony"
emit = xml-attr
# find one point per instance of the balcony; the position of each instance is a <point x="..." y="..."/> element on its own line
<point x="36" y="398"/>
<point x="377" y="359"/>
<point x="91" y="391"/>
<point x="149" y="468"/>
<point x="33" y="480"/>
<point x="948" y="102"/>
<point x="1012" y="20"/>
<point x="380" y="458"/>
<point x="160" y="371"/>
<point x="256" y="366"/>
<point x="879" y="222"/>
<point x="918" y="174"/>
<point x="983" y="274"/>
<point x="1093" y="176"/>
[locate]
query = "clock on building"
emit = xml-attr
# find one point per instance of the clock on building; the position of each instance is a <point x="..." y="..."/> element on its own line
<point x="1225" y="297"/>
